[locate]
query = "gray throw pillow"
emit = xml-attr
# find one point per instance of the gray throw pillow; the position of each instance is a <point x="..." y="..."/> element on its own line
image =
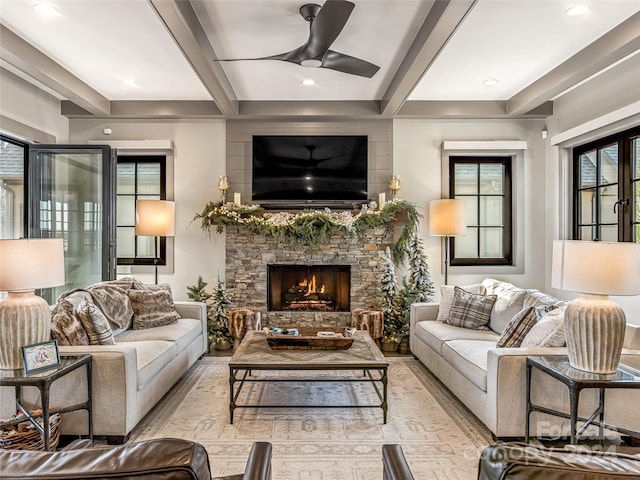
<point x="66" y="327"/>
<point x="470" y="310"/>
<point x="152" y="308"/>
<point x="446" y="298"/>
<point x="517" y="328"/>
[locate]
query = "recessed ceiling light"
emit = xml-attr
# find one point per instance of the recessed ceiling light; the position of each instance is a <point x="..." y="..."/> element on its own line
<point x="128" y="82"/>
<point x="577" y="10"/>
<point x="308" y="81"/>
<point x="490" y="82"/>
<point x="46" y="9"/>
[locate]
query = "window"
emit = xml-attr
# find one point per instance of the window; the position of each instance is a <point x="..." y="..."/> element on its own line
<point x="607" y="188"/>
<point x="144" y="178"/>
<point x="12" y="163"/>
<point x="485" y="184"/>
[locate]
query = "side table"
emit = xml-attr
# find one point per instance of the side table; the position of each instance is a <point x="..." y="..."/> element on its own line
<point x="558" y="367"/>
<point x="42" y="381"/>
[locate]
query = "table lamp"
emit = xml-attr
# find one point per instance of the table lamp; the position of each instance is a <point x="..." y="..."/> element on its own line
<point x="447" y="218"/>
<point x="155" y="218"/>
<point x="25" y="319"/>
<point x="595" y="325"/>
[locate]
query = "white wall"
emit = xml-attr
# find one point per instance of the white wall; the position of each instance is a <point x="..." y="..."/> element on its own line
<point x="199" y="158"/>
<point x="417" y="151"/>
<point x="607" y="104"/>
<point x="25" y="104"/>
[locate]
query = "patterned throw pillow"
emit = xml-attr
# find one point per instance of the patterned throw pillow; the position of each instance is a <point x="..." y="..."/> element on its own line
<point x="517" y="328"/>
<point x="66" y="327"/>
<point x="152" y="308"/>
<point x="446" y="298"/>
<point x="470" y="310"/>
<point x="96" y="324"/>
<point x="548" y="332"/>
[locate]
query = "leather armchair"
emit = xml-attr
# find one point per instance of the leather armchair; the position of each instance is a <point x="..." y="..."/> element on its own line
<point x="394" y="465"/>
<point x="521" y="461"/>
<point x="160" y="459"/>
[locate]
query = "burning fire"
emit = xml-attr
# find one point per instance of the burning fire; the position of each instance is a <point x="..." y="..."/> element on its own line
<point x="311" y="286"/>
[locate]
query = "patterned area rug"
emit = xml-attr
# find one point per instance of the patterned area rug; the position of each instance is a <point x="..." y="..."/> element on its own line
<point x="441" y="439"/>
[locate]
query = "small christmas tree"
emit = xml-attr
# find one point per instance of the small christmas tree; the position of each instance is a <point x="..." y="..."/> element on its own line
<point x="417" y="287"/>
<point x="217" y="308"/>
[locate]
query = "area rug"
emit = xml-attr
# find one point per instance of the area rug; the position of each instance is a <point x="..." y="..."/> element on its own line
<point x="441" y="439"/>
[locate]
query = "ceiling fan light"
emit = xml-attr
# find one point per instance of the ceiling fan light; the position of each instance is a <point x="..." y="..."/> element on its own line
<point x="311" y="62"/>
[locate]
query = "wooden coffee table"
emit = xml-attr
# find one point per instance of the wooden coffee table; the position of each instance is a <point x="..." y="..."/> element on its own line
<point x="254" y="354"/>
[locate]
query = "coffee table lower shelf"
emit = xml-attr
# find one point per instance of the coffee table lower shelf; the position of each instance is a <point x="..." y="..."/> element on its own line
<point x="239" y="376"/>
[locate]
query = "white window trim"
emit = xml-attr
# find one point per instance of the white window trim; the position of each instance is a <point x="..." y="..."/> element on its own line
<point x="516" y="149"/>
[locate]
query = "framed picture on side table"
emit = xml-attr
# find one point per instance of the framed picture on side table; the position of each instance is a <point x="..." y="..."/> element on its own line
<point x="40" y="356"/>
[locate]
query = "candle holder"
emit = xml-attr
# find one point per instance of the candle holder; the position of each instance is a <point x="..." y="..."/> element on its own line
<point x="394" y="185"/>
<point x="223" y="186"/>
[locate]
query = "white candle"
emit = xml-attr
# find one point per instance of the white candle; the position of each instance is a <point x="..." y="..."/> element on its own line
<point x="381" y="199"/>
<point x="237" y="198"/>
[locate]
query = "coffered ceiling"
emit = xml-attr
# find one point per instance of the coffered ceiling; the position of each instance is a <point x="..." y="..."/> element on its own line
<point x="162" y="58"/>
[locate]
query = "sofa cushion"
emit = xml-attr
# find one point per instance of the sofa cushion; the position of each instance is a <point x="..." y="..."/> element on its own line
<point x="152" y="308"/>
<point x="435" y="334"/>
<point x="469" y="358"/>
<point x="446" y="298"/>
<point x="509" y="302"/>
<point x="470" y="310"/>
<point x="152" y="357"/>
<point x="183" y="332"/>
<point x="518" y="328"/>
<point x="548" y="331"/>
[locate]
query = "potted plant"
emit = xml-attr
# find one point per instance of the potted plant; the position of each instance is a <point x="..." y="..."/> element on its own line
<point x="218" y="304"/>
<point x="397" y="300"/>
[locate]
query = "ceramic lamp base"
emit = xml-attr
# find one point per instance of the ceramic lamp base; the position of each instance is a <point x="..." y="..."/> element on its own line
<point x="594" y="329"/>
<point x="25" y="319"/>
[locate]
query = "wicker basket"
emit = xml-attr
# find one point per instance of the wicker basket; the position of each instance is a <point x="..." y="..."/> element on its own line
<point x="25" y="436"/>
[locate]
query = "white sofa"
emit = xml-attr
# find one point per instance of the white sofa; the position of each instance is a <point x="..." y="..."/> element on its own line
<point x="130" y="377"/>
<point x="490" y="381"/>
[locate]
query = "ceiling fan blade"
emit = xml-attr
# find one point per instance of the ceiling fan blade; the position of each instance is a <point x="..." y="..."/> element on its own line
<point x="347" y="64"/>
<point x="326" y="27"/>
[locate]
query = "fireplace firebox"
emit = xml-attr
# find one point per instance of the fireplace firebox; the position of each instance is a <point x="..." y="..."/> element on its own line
<point x="315" y="288"/>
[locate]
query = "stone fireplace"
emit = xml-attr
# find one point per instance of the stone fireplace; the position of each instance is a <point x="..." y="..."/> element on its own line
<point x="308" y="288"/>
<point x="249" y="257"/>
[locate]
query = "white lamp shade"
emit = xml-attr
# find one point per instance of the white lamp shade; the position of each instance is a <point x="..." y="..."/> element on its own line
<point x="27" y="264"/>
<point x="447" y="217"/>
<point x="155" y="218"/>
<point x="597" y="268"/>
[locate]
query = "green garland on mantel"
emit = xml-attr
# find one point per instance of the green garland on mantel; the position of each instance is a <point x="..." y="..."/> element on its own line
<point x="313" y="227"/>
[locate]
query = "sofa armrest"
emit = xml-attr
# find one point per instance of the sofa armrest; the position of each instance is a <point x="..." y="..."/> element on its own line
<point x="394" y="465"/>
<point x="516" y="460"/>
<point x="198" y="311"/>
<point x="114" y="371"/>
<point x="166" y="458"/>
<point x="259" y="462"/>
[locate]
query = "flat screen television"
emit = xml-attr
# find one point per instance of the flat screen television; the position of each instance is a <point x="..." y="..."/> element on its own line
<point x="294" y="170"/>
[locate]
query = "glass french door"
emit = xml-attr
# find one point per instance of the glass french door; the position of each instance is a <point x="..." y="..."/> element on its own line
<point x="71" y="195"/>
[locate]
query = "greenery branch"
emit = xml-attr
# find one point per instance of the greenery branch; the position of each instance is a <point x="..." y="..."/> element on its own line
<point x="313" y="227"/>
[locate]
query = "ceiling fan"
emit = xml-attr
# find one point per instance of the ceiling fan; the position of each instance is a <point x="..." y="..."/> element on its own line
<point x="325" y="24"/>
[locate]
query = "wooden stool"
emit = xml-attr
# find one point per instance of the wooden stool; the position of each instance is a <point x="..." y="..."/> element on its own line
<point x="241" y="320"/>
<point x="370" y="320"/>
